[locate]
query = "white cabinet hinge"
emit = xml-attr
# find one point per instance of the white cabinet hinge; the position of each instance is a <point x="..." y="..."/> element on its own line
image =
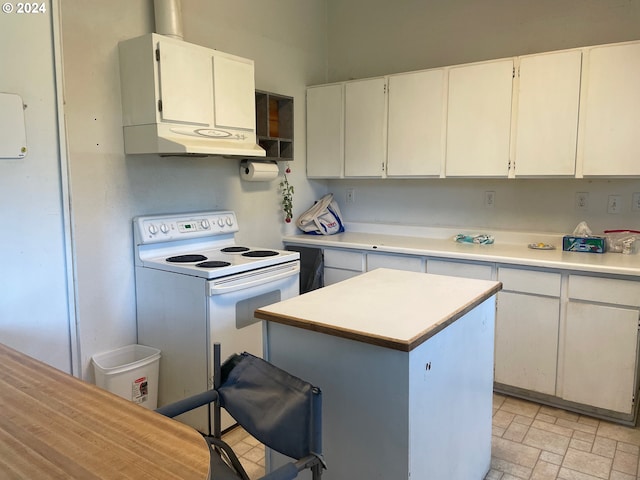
<point x="157" y="54"/>
<point x="385" y="89"/>
<point x="513" y="74"/>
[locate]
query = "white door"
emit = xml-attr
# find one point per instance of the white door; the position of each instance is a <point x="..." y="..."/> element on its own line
<point x="185" y="84"/>
<point x="526" y="350"/>
<point x="365" y="142"/>
<point x="325" y="131"/>
<point x="416" y="124"/>
<point x="600" y="356"/>
<point x="479" y="119"/>
<point x="611" y="112"/>
<point x="547" y="118"/>
<point x="234" y="93"/>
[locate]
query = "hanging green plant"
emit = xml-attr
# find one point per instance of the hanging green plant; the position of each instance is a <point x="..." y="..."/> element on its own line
<point x="287" y="196"/>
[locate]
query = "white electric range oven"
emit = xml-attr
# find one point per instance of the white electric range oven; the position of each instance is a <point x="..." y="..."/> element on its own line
<point x="196" y="286"/>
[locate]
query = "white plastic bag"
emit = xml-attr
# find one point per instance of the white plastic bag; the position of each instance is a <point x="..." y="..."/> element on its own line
<point x="323" y="218"/>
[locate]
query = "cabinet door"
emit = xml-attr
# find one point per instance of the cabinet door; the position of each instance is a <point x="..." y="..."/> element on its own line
<point x="397" y="262"/>
<point x="526" y="351"/>
<point x="415" y="142"/>
<point x="460" y="269"/>
<point x="234" y="87"/>
<point x="547" y="119"/>
<point x="611" y="111"/>
<point x="325" y="131"/>
<point x="479" y="119"/>
<point x="185" y="84"/>
<point x="365" y="140"/>
<point x="600" y="356"/>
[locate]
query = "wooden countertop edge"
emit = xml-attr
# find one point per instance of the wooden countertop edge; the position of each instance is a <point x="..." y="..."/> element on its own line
<point x="378" y="340"/>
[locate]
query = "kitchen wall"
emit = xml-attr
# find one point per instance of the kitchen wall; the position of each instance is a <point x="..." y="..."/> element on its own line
<point x="287" y="41"/>
<point x="36" y="271"/>
<point x="376" y="37"/>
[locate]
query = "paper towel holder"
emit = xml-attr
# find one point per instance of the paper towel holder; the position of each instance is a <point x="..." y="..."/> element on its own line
<point x="259" y="171"/>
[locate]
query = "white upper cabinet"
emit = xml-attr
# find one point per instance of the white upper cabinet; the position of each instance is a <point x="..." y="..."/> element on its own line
<point x="184" y="77"/>
<point x="416" y="124"/>
<point x="365" y="142"/>
<point x="234" y="93"/>
<point x="610" y="138"/>
<point x="547" y="114"/>
<point x="325" y="131"/>
<point x="479" y="119"/>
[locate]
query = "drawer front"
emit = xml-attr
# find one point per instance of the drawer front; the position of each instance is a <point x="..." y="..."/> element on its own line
<point x="459" y="269"/>
<point x="343" y="259"/>
<point x="335" y="275"/>
<point x="605" y="290"/>
<point x="399" y="262"/>
<point x="530" y="281"/>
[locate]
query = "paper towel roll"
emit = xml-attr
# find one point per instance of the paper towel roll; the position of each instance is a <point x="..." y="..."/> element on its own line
<point x="258" y="171"/>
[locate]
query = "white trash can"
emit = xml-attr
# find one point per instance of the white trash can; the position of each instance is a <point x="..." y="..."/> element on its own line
<point x="130" y="372"/>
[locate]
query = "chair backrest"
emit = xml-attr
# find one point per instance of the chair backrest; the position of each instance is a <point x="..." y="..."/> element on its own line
<point x="281" y="411"/>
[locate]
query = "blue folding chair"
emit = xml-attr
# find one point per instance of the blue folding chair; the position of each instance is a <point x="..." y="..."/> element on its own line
<point x="281" y="411"/>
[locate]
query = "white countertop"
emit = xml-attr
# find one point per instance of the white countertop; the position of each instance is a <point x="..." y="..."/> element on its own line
<point x="509" y="247"/>
<point x="391" y="308"/>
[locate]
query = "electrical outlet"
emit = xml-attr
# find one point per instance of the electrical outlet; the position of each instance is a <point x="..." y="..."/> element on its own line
<point x="614" y="204"/>
<point x="350" y="196"/>
<point x="582" y="201"/>
<point x="635" y="205"/>
<point x="489" y="199"/>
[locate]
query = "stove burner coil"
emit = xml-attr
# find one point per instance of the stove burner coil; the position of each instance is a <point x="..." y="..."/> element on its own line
<point x="213" y="264"/>
<point x="235" y="249"/>
<point x="186" y="258"/>
<point x="260" y="253"/>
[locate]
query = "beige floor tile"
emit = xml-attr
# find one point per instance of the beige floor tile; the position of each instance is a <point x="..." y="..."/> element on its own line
<point x="520" y="407"/>
<point x="604" y="447"/>
<point x="621" y="476"/>
<point x="625" y="462"/>
<point x="619" y="433"/>
<point x="545" y="471"/>
<point x="502" y="419"/>
<point x="589" y="463"/>
<point x="515" y="432"/>
<point x="545" y="440"/>
<point x="580" y="445"/>
<point x="494" y="475"/>
<point x="575" y="425"/>
<point x="543" y="417"/>
<point x="552" y="427"/>
<point x="585" y="437"/>
<point x="628" y="448"/>
<point x="551" y="457"/>
<point x="568" y="474"/>
<point x="509" y="468"/>
<point x="514" y="452"/>
<point x="523" y="420"/>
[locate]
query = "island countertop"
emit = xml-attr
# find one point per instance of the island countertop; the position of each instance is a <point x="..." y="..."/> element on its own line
<point x="359" y="308"/>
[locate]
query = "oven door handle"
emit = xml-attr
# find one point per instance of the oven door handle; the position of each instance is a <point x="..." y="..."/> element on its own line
<point x="253" y="279"/>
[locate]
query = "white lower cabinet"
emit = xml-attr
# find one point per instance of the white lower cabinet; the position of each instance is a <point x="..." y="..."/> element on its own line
<point x="599" y="355"/>
<point x="528" y="312"/>
<point x="397" y="262"/>
<point x="340" y="265"/>
<point x="460" y="269"/>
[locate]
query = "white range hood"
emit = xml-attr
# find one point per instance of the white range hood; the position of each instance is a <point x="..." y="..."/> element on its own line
<point x="184" y="99"/>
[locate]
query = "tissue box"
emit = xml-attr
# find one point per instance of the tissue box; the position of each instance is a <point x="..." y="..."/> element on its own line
<point x="572" y="243"/>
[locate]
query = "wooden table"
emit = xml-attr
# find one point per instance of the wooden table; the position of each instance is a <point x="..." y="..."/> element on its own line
<point x="405" y="364"/>
<point x="53" y="425"/>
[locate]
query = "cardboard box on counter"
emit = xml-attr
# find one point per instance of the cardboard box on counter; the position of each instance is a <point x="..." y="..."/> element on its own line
<point x="571" y="243"/>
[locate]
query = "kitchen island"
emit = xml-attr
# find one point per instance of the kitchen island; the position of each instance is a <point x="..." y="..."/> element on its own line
<point x="405" y="363"/>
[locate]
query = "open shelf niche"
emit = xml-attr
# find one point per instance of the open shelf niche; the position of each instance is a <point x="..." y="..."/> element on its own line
<point x="274" y="125"/>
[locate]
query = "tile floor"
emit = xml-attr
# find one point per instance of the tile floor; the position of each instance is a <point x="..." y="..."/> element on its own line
<point x="530" y="442"/>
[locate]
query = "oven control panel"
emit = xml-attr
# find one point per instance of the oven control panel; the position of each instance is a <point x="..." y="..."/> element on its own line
<point x="164" y="228"/>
